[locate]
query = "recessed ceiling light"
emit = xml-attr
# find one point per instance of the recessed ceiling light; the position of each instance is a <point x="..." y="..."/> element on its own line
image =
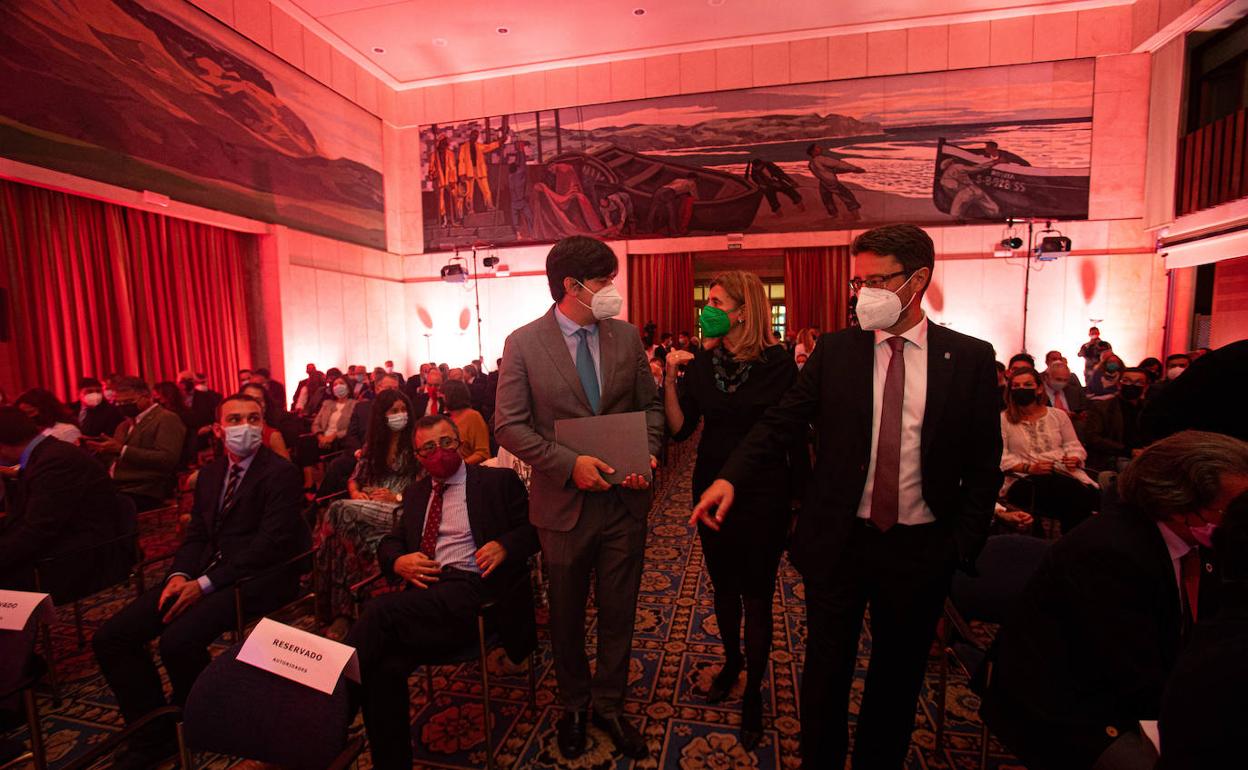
<point x="503" y="31"/>
<point x="714" y="3"/>
<point x="639" y="11"/>
<point x="378" y="49"/>
<point x="440" y="42"/>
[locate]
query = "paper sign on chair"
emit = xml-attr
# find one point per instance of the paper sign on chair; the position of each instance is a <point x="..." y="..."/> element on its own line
<point x="310" y="660"/>
<point x="16" y="608"/>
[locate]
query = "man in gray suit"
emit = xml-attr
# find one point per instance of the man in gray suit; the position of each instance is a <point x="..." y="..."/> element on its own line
<point x="575" y="361"/>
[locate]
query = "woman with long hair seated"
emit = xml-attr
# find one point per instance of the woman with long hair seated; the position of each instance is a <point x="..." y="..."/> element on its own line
<point x="347" y="537"/>
<point x="1042" y="457"/>
<point x="49" y="414"/>
<point x="728" y="385"/>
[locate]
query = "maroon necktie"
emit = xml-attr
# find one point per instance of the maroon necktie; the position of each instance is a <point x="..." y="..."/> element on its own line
<point x="888" y="445"/>
<point x="433" y="521"/>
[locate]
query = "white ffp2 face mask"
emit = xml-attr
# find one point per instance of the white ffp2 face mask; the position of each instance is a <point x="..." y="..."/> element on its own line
<point x="880" y="308"/>
<point x="606" y="303"/>
<point x="242" y="440"/>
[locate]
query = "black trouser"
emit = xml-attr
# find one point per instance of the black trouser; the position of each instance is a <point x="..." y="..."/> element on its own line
<point x="742" y="560"/>
<point x="398" y="632"/>
<point x="903" y="575"/>
<point x="773" y="200"/>
<point x="608" y="541"/>
<point x="1055" y="496"/>
<point x="121" y="643"/>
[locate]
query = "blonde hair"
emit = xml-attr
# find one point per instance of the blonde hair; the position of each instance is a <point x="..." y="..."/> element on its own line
<point x="807" y="338"/>
<point x="747" y="290"/>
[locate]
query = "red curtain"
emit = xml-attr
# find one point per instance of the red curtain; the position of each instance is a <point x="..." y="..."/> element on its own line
<point x="100" y="288"/>
<point x="816" y="288"/>
<point x="660" y="289"/>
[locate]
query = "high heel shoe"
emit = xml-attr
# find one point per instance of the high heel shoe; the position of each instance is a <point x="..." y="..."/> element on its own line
<point x="723" y="682"/>
<point x="751" y="719"/>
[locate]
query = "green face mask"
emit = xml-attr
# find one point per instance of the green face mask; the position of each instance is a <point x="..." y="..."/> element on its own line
<point x="714" y="322"/>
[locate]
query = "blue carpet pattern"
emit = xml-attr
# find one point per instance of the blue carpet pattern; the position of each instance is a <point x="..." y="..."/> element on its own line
<point x="675" y="654"/>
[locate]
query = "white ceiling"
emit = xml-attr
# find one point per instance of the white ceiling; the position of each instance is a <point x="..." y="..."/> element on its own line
<point x="544" y="33"/>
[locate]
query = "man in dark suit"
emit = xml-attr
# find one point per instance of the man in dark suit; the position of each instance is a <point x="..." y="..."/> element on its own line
<point x="577" y="361"/>
<point x="426" y="397"/>
<point x="906" y="475"/>
<point x="1063" y="390"/>
<point x="276" y="390"/>
<point x="96" y="416"/>
<point x="1111" y="430"/>
<point x="1203" y="709"/>
<point x="245" y="519"/>
<point x="1085" y="653"/>
<point x="299" y="401"/>
<point x="463" y="539"/>
<point x="144" y="453"/>
<point x="201" y="406"/>
<point x="60" y="500"/>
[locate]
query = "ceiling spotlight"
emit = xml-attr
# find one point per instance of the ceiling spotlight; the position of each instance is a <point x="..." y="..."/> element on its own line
<point x="378" y="49"/>
<point x="639" y="11"/>
<point x="715" y="3"/>
<point x="440" y="42"/>
<point x="503" y="31"/>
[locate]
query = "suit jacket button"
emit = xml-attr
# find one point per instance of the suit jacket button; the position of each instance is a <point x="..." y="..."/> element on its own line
<point x="1111" y="731"/>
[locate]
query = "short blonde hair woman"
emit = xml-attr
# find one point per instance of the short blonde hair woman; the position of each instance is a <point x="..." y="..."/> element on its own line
<point x="727" y="386"/>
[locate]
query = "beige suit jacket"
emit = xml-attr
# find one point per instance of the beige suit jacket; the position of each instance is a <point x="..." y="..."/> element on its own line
<point x="538" y="385"/>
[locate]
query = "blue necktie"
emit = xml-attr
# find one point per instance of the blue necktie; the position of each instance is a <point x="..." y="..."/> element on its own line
<point x="585" y="369"/>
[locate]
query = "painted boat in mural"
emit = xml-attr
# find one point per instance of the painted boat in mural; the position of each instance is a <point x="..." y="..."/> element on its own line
<point x="966" y="186"/>
<point x="725" y="203"/>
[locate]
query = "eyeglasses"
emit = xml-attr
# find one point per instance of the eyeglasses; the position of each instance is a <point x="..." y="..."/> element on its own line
<point x="873" y="281"/>
<point x="429" y="447"/>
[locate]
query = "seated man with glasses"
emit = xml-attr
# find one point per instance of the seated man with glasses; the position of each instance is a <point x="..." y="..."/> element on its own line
<point x="462" y="540"/>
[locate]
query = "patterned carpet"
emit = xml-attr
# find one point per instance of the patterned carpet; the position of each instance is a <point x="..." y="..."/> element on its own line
<point x="675" y="654"/>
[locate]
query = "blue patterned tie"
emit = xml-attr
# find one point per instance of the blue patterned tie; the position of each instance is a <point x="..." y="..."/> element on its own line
<point x="585" y="369"/>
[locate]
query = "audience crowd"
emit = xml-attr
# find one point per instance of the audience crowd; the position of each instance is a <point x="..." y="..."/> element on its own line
<point x="1137" y="474"/>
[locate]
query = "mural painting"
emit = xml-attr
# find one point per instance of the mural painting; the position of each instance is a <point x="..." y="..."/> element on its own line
<point x="159" y="96"/>
<point x="966" y="145"/>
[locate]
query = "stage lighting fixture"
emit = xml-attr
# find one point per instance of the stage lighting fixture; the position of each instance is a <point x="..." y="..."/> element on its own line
<point x="490" y="261"/>
<point x="1013" y="243"/>
<point x="1007" y="246"/>
<point x="1053" y="246"/>
<point x="454" y="273"/>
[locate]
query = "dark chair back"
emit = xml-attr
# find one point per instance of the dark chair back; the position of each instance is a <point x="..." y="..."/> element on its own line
<point x="1005" y="565"/>
<point x="236" y="709"/>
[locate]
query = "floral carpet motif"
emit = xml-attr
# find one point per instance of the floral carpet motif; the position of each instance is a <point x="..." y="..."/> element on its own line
<point x="675" y="654"/>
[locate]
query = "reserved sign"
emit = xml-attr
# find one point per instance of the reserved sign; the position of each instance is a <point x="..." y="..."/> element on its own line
<point x="16" y="607"/>
<point x="310" y="660"/>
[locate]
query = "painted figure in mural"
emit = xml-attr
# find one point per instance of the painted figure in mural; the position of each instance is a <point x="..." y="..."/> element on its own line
<point x="561" y="207"/>
<point x="473" y="170"/>
<point x="518" y="188"/>
<point x="772" y="180"/>
<point x="969" y="199"/>
<point x="672" y="206"/>
<point x="826" y="166"/>
<point x="616" y="207"/>
<point x="444" y="175"/>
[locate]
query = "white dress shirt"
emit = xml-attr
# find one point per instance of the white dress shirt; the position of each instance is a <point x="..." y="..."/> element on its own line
<point x="455" y="548"/>
<point x="569" y="329"/>
<point x="911" y="507"/>
<point x="1177" y="549"/>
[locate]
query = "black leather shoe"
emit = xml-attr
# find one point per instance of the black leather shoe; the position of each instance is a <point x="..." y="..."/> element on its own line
<point x="623" y="735"/>
<point x="723" y="682"/>
<point x="571" y="727"/>
<point x="751" y="719"/>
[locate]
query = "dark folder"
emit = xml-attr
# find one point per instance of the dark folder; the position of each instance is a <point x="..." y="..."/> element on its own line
<point x="620" y="440"/>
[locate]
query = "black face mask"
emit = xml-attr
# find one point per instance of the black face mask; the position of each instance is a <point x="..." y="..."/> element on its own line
<point x="1130" y="391"/>
<point x="129" y="410"/>
<point x="1023" y="396"/>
